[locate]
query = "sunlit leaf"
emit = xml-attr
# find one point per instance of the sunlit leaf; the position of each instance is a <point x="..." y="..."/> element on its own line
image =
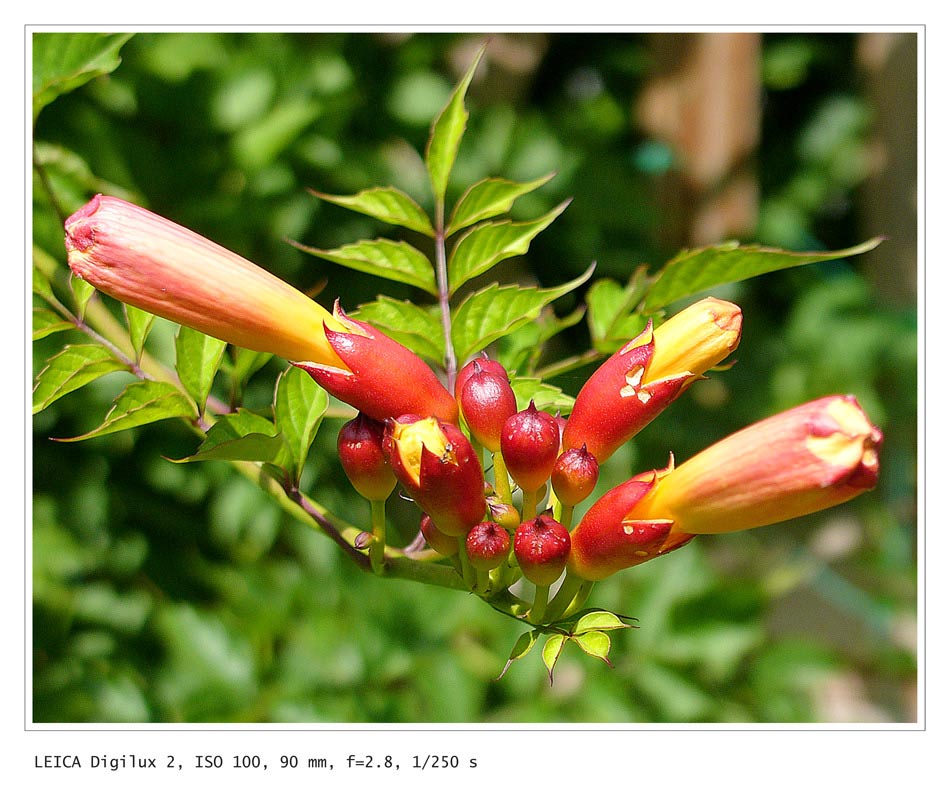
<point x="141" y="404"/>
<point x="411" y="325"/>
<point x="546" y="397"/>
<point x="389" y="259"/>
<point x="387" y="204"/>
<point x="299" y="406"/>
<point x="551" y="651"/>
<point x="488" y="198"/>
<point x="140" y="324"/>
<point x="197" y="358"/>
<point x="610" y="318"/>
<point x="495" y="311"/>
<point x="446" y="133"/>
<point x="522" y="647"/>
<point x="82" y="293"/>
<point x="46" y="322"/>
<point x="71" y="369"/>
<point x="596" y="644"/>
<point x="600" y="620"/>
<point x="695" y="270"/>
<point x="64" y="61"/>
<point x="241" y="436"/>
<point x="488" y="244"/>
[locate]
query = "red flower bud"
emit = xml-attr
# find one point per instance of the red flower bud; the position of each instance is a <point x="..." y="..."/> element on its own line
<point x="575" y="475"/>
<point x="380" y="377"/>
<point x="441" y="543"/>
<point x="439" y="469"/>
<point x="484" y="365"/>
<point x="486" y="401"/>
<point x="542" y="545"/>
<point x="503" y="513"/>
<point x="360" y="447"/>
<point x="530" y="441"/>
<point x="487" y="546"/>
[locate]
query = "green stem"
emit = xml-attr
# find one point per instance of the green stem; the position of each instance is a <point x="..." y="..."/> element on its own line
<point x="536" y="615"/>
<point x="565" y="596"/>
<point x="502" y="483"/>
<point x="529" y="504"/>
<point x="468" y="572"/>
<point x="567" y="513"/>
<point x="377" y="548"/>
<point x="442" y="280"/>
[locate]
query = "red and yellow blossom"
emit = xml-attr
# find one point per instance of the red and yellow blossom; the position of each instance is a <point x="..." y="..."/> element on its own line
<point x="438" y="468"/>
<point x="154" y="264"/>
<point x="809" y="458"/>
<point x="636" y="383"/>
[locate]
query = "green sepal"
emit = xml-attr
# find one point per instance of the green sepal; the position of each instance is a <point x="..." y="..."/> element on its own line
<point x="596" y="644"/>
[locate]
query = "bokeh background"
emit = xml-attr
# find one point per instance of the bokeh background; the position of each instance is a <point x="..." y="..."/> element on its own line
<point x="180" y="593"/>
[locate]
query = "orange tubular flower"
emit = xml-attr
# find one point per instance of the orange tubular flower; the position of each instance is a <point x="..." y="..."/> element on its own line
<point x="809" y="458"/>
<point x="636" y="383"/>
<point x="379" y="376"/>
<point x="149" y="262"/>
<point x="438" y="468"/>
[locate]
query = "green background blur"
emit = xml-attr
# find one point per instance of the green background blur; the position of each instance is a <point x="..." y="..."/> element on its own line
<point x="166" y="592"/>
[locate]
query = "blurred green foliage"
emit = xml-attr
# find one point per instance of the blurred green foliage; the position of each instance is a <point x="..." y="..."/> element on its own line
<point x="168" y="592"/>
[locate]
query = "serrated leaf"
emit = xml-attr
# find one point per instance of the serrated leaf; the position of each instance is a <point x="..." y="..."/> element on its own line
<point x="389" y="259"/>
<point x="71" y="369"/>
<point x="387" y="204"/>
<point x="600" y="620"/>
<point x="46" y="322"/>
<point x="695" y="270"/>
<point x="551" y="651"/>
<point x="197" y="358"/>
<point x="242" y="436"/>
<point x="141" y="404"/>
<point x="446" y="134"/>
<point x="488" y="198"/>
<point x="488" y="244"/>
<point x="522" y="646"/>
<point x="412" y="326"/>
<point x="299" y="406"/>
<point x="64" y="61"/>
<point x="140" y="323"/>
<point x="546" y="397"/>
<point x="41" y="284"/>
<point x="596" y="644"/>
<point x="496" y="311"/>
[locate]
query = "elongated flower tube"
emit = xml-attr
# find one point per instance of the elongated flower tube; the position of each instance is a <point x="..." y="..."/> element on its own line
<point x="379" y="376"/>
<point x="438" y="468"/>
<point x="637" y="382"/>
<point x="801" y="461"/>
<point x="149" y="262"/>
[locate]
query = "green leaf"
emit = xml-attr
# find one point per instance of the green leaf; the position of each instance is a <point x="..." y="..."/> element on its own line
<point x="141" y="404"/>
<point x="488" y="244"/>
<point x="242" y="436"/>
<point x="64" y="61"/>
<point x="299" y="406"/>
<point x="46" y="322"/>
<point x="43" y="264"/>
<point x="71" y="369"/>
<point x="596" y="644"/>
<point x="695" y="270"/>
<point x="496" y="311"/>
<point x="488" y="198"/>
<point x="609" y="318"/>
<point x="446" y="134"/>
<point x="387" y="204"/>
<point x="551" y="651"/>
<point x="522" y="647"/>
<point x="600" y="621"/>
<point x="389" y="259"/>
<point x="412" y="326"/>
<point x="140" y="323"/>
<point x="197" y="358"/>
<point x="546" y="397"/>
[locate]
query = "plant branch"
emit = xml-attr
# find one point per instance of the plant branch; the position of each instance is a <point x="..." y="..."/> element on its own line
<point x="442" y="279"/>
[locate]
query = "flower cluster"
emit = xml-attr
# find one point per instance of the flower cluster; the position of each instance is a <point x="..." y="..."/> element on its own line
<point x="409" y="429"/>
